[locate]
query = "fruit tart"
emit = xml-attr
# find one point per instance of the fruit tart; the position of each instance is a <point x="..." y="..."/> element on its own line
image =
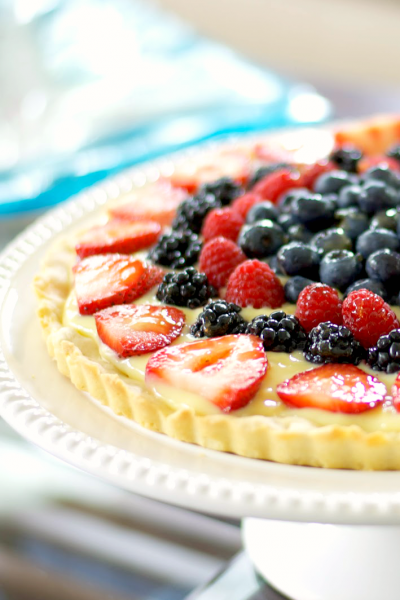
<point x="247" y="300"/>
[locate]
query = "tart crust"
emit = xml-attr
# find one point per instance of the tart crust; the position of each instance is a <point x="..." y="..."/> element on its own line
<point x="291" y="440"/>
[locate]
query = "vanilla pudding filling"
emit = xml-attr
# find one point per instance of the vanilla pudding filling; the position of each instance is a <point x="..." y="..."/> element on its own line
<point x="266" y="402"/>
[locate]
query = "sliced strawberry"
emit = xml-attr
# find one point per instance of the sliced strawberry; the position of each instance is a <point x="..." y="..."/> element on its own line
<point x="229" y="162"/>
<point x="106" y="279"/>
<point x="157" y="203"/>
<point x="396" y="393"/>
<point x="118" y="236"/>
<point x="131" y="330"/>
<point x="334" y="387"/>
<point x="152" y="275"/>
<point x="227" y="370"/>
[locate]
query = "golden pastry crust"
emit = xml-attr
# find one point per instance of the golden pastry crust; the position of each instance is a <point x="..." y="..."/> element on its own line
<point x="290" y="440"/>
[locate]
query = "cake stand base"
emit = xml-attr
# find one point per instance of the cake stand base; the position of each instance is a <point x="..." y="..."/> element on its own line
<point x="309" y="561"/>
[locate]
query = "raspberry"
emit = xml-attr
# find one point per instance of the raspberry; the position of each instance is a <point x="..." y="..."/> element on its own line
<point x="253" y="283"/>
<point x="311" y="172"/>
<point x="218" y="259"/>
<point x="272" y="186"/>
<point x="223" y="222"/>
<point x="368" y="317"/>
<point x="244" y="203"/>
<point x="318" y="303"/>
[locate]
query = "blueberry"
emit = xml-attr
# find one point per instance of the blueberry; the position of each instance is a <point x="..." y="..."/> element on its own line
<point x="384" y="266"/>
<point x="384" y="174"/>
<point x="385" y="218"/>
<point x="367" y="284"/>
<point x="297" y="258"/>
<point x="272" y="261"/>
<point x="331" y="239"/>
<point x="314" y="211"/>
<point x="263" y="210"/>
<point x="294" y="286"/>
<point x="334" y="181"/>
<point x="346" y="158"/>
<point x="340" y="268"/>
<point x="261" y="239"/>
<point x="286" y="220"/>
<point x="376" y="239"/>
<point x="285" y="201"/>
<point x="299" y="233"/>
<point x="376" y="196"/>
<point x="352" y="221"/>
<point x="394" y="152"/>
<point x="265" y="170"/>
<point x="348" y="196"/>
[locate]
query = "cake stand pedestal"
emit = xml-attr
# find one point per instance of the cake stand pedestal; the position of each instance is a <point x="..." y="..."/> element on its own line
<point x="314" y="534"/>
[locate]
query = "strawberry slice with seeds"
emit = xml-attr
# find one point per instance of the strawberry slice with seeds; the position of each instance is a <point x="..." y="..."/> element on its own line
<point x="152" y="276"/>
<point x="334" y="387"/>
<point x="396" y="393"/>
<point x="118" y="236"/>
<point x="226" y="370"/>
<point x="157" y="203"/>
<point x="133" y="330"/>
<point x="107" y="279"/>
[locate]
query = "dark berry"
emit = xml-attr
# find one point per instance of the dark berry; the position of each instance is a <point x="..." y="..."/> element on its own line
<point x="265" y="170"/>
<point x="261" y="239"/>
<point x="261" y="211"/>
<point x="346" y="158"/>
<point x="176" y="249"/>
<point x="187" y="288"/>
<point x="330" y="343"/>
<point x="376" y="196"/>
<point x="278" y="331"/>
<point x="287" y="220"/>
<point x="297" y="258"/>
<point x="272" y="261"/>
<point x="384" y="266"/>
<point x="385" y="356"/>
<point x="333" y="181"/>
<point x="294" y="286"/>
<point x="299" y="233"/>
<point x="223" y="190"/>
<point x="219" y="318"/>
<point x="340" y="268"/>
<point x="384" y="174"/>
<point x="192" y="212"/>
<point x="394" y="152"/>
<point x="331" y="239"/>
<point x="285" y="201"/>
<point x="387" y="219"/>
<point x="367" y="284"/>
<point x="348" y="196"/>
<point x="352" y="221"/>
<point x="375" y="239"/>
<point x="314" y="211"/>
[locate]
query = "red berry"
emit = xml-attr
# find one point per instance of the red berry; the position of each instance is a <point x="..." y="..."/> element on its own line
<point x="118" y="236"/>
<point x="223" y="222"/>
<point x="396" y="393"/>
<point x="368" y="317"/>
<point x="218" y="259"/>
<point x="310" y="172"/>
<point x="133" y="330"/>
<point x="253" y="283"/>
<point x="272" y="186"/>
<point x="333" y="387"/>
<point x="227" y="370"/>
<point x="318" y="303"/>
<point x="244" y="203"/>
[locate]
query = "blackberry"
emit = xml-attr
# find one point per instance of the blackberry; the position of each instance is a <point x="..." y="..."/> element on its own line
<point x="192" y="212"/>
<point x="176" y="249"/>
<point x="328" y="343"/>
<point x="187" y="288"/>
<point x="219" y="318"/>
<point x="385" y="356"/>
<point x="278" y="332"/>
<point x="223" y="190"/>
<point x="346" y="158"/>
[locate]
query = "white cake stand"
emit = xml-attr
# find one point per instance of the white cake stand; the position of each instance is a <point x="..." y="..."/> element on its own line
<point x="314" y="534"/>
